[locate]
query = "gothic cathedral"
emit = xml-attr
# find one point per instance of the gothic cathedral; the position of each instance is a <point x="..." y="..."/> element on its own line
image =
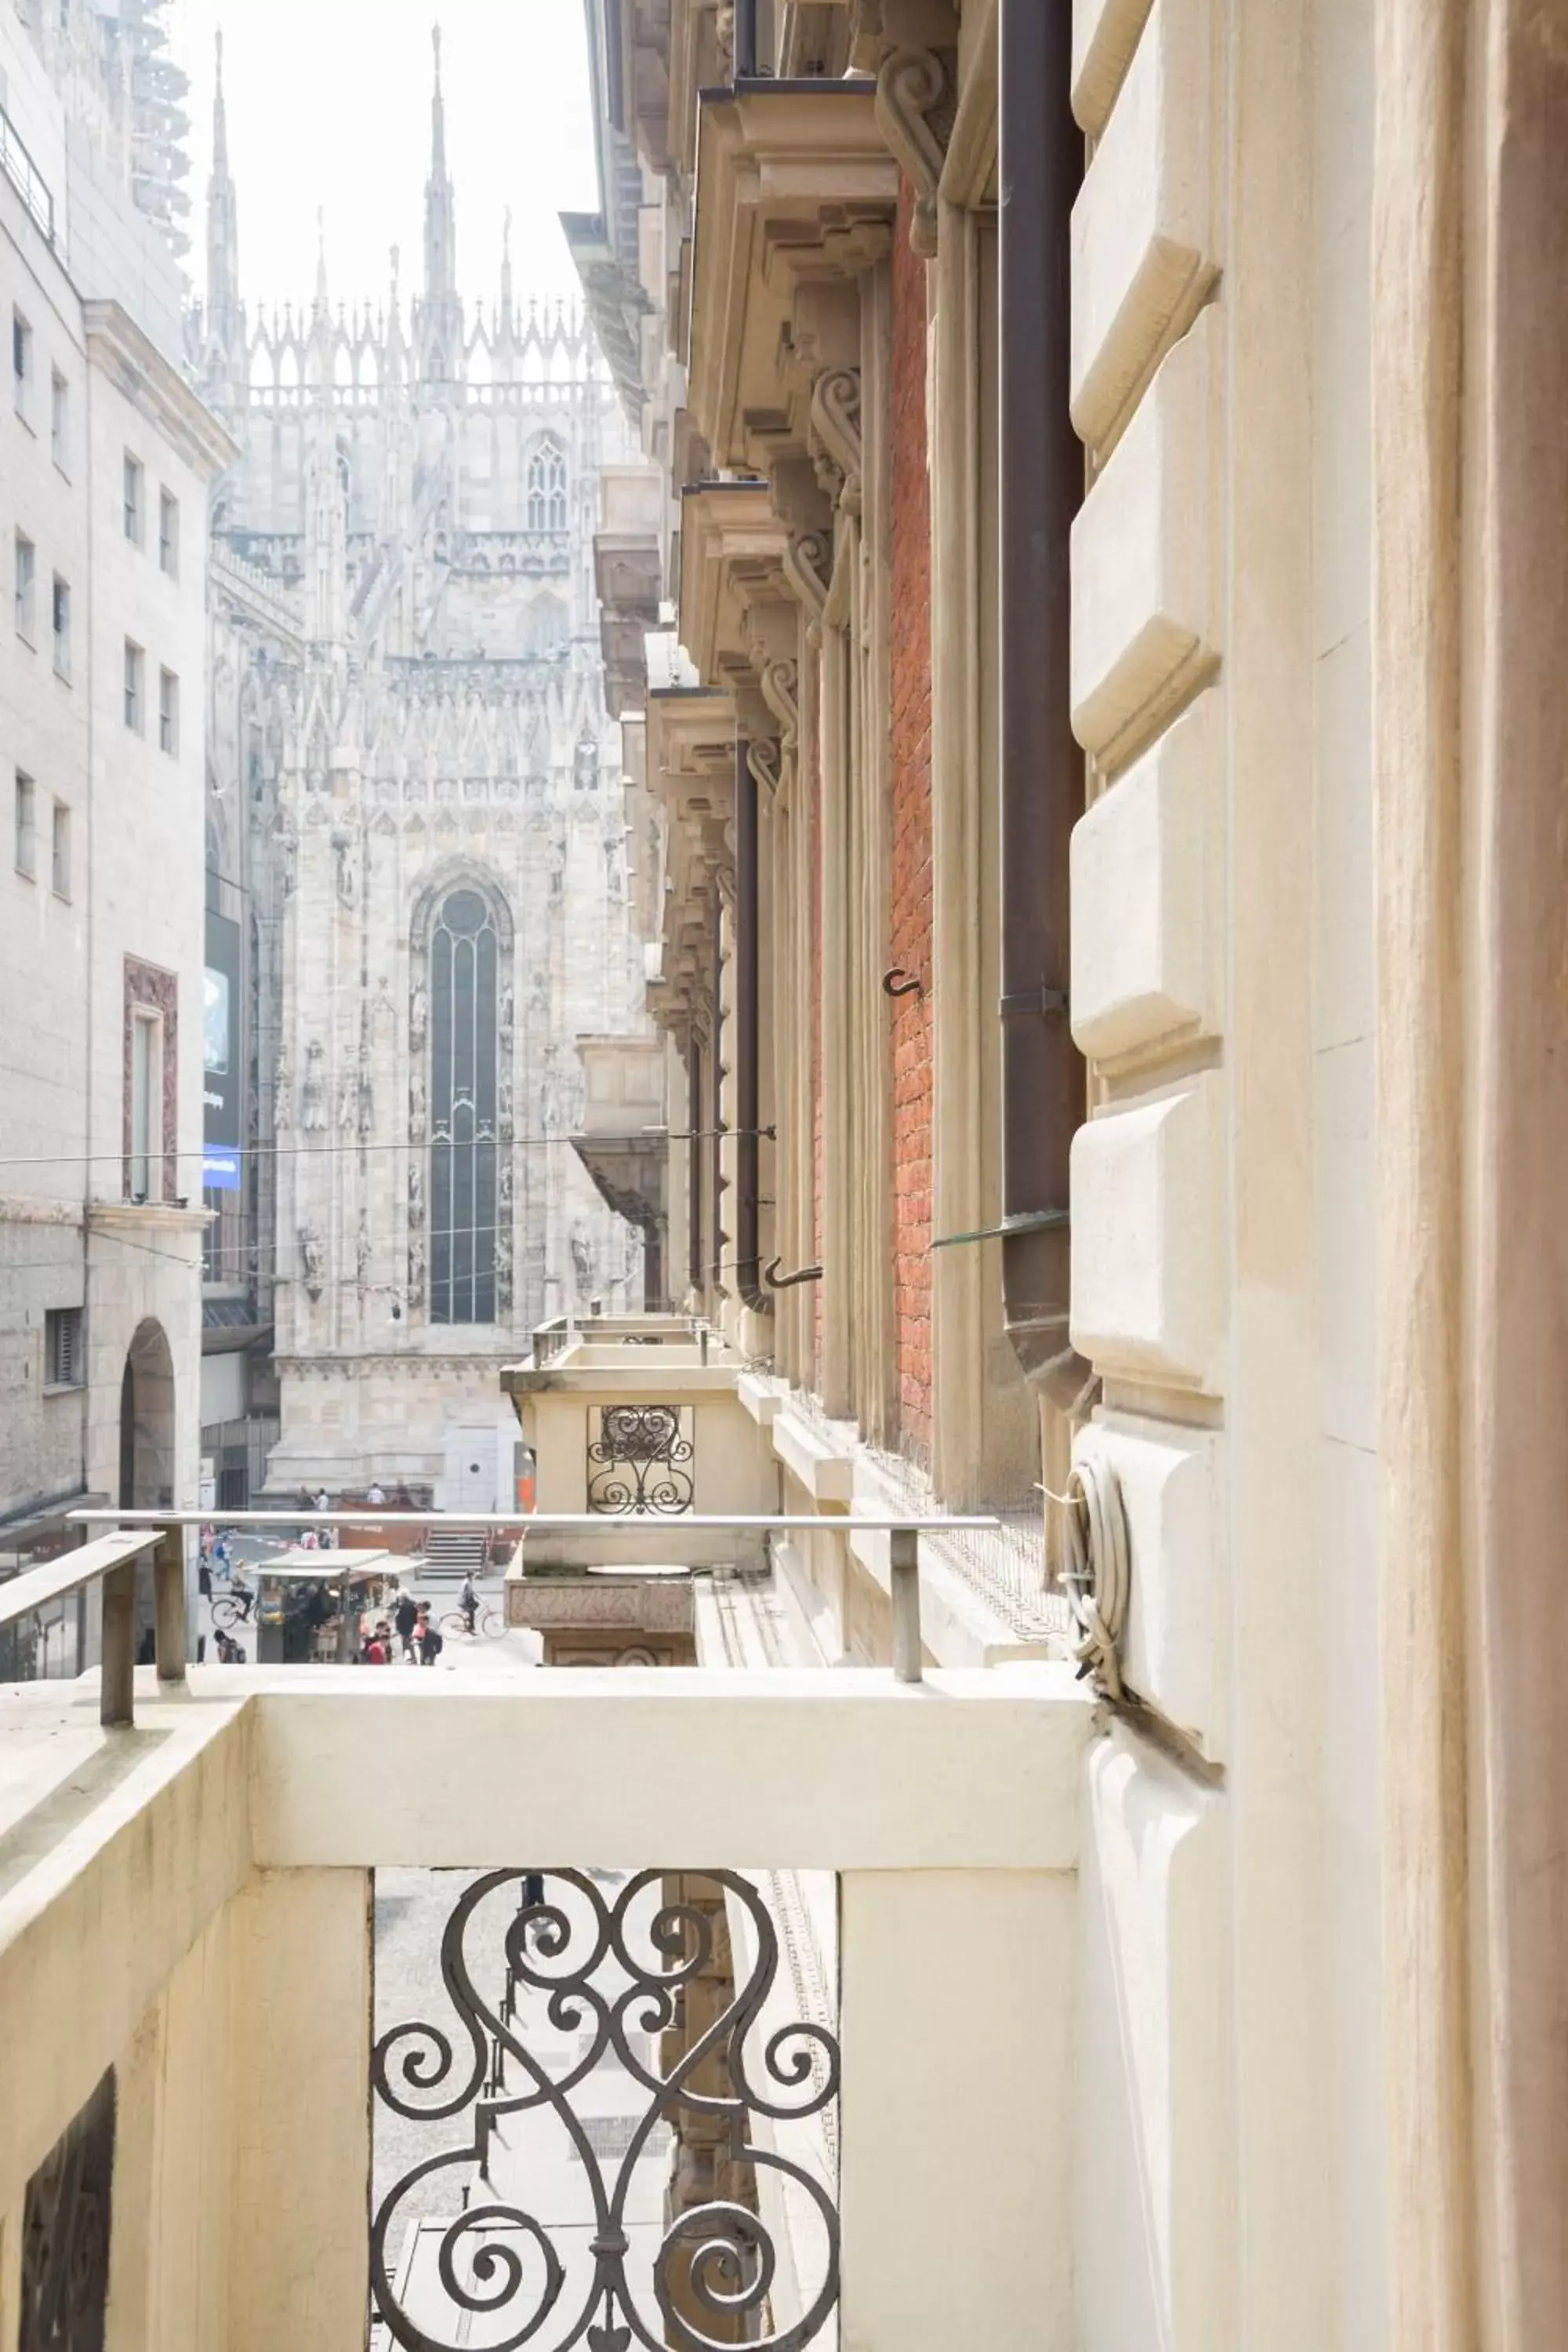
<point x="417" y="814"/>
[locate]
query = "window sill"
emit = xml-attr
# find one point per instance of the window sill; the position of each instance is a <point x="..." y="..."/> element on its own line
<point x="30" y="642"/>
<point x="23" y="874"/>
<point x="63" y="1388"/>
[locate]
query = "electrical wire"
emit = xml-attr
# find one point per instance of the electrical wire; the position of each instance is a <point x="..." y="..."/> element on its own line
<point x="334" y="1150"/>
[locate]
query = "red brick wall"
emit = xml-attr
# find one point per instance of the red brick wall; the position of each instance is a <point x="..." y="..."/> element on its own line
<point x="909" y="913"/>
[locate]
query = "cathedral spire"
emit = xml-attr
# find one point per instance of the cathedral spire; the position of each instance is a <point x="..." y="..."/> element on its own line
<point x="224" y="326"/>
<point x="437" y="115"/>
<point x="443" y="322"/>
<point x="220" y="117"/>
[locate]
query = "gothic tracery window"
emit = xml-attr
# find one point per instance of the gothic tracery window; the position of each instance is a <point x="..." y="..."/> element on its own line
<point x="547" y="487"/>
<point x="465" y="960"/>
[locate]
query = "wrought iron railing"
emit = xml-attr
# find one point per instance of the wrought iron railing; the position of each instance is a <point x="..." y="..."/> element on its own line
<point x="642" y="1460"/>
<point x="25" y="176"/>
<point x="578" y="2162"/>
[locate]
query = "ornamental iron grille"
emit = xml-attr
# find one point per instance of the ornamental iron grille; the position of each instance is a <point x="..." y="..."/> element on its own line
<point x="65" y="2235"/>
<point x="464" y="956"/>
<point x="641" y="1460"/>
<point x="613" y="2090"/>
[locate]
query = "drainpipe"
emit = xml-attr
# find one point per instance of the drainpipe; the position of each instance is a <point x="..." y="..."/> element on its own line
<point x="748" y="1044"/>
<point x="718" y="1074"/>
<point x="1040" y="470"/>
<point x="694" y="1164"/>
<point x="745" y="21"/>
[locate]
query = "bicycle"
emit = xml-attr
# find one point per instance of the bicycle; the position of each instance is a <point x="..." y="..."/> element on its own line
<point x="232" y="1609"/>
<point x="488" y="1625"/>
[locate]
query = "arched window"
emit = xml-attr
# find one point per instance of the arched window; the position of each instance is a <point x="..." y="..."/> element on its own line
<point x="465" y="960"/>
<point x="547" y="487"/>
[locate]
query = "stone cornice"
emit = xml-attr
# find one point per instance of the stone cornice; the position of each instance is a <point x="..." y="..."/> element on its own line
<point x="118" y="346"/>
<point x="691" y="770"/>
<point x="795" y="191"/>
<point x="733" y="551"/>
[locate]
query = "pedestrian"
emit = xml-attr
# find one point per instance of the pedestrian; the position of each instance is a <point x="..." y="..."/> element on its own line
<point x="468" y="1602"/>
<point x="205" y="1574"/>
<point x="375" y="1649"/>
<point x="427" y="1636"/>
<point x="310" y="1540"/>
<point x="374" y="1496"/>
<point x="407" y="1616"/>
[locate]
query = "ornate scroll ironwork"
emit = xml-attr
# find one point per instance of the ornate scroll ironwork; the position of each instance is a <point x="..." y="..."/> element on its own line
<point x="640" y="1461"/>
<point x="614" y="1976"/>
<point x="65" y="2235"/>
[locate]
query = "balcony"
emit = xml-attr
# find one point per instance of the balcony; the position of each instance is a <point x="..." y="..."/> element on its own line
<point x="26" y="177"/>
<point x="742" y="2009"/>
<point x="751" y="1443"/>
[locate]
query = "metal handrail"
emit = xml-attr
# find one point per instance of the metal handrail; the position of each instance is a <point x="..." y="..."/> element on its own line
<point x="562" y="1522"/>
<point x="112" y="1561"/>
<point x="903" y="1530"/>
<point x="25" y="176"/>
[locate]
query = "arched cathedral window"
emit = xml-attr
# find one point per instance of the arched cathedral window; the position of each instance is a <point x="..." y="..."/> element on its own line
<point x="547" y="487"/>
<point x="465" y="968"/>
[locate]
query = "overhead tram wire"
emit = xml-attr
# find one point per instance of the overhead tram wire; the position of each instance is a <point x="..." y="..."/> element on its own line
<point x="324" y="1150"/>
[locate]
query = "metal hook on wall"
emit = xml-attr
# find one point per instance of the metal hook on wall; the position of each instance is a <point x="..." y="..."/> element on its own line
<point x="777" y="1281"/>
<point x="896" y="981"/>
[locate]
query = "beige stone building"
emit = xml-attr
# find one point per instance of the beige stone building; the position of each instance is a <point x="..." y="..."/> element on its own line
<point x="106" y="459"/>
<point x="1097" y="571"/>
<point x="1103" y="949"/>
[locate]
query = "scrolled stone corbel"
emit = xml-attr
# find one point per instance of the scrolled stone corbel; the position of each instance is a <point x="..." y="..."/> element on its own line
<point x="910" y="88"/>
<point x="807" y="566"/>
<point x="835" y="422"/>
<point x="780" y="683"/>
<point x="763" y="760"/>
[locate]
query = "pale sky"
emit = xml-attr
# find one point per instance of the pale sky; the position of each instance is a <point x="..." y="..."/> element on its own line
<point x="329" y="106"/>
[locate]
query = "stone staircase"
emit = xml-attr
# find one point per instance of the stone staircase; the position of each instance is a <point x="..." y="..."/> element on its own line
<point x="456" y="1552"/>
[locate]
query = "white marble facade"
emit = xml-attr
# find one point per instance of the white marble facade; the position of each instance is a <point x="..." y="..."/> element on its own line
<point x="412" y="764"/>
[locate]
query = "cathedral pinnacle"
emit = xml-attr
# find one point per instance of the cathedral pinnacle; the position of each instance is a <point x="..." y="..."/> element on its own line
<point x="220" y="117"/>
<point x="438" y="114"/>
<point x="442" y="325"/>
<point x="224" y="326"/>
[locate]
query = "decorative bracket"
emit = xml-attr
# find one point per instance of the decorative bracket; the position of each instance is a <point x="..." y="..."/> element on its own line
<point x="835" y="421"/>
<point x="910" y="87"/>
<point x="780" y="682"/>
<point x="763" y="760"/>
<point x="807" y="569"/>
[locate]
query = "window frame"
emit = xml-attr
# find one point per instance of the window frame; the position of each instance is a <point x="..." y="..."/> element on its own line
<point x="60" y="629"/>
<point x="134" y="704"/>
<point x="146" y="1152"/>
<point x="169" y="712"/>
<point x="25" y="597"/>
<point x="60" y="420"/>
<point x="64" y="1351"/>
<point x="547" y="487"/>
<point x="465" y="1128"/>
<point x="60" y="851"/>
<point x="133" y="502"/>
<point x="24" y="824"/>
<point x="168" y="533"/>
<point x="23" y="347"/>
